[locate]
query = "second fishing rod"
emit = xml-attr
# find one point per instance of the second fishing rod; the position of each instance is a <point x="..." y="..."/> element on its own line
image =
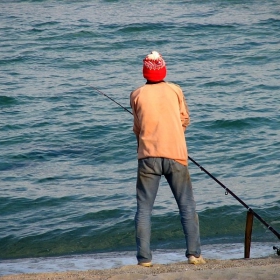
<point x="227" y="190"/>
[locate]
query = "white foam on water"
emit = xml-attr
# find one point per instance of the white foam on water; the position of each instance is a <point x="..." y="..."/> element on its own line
<point x="118" y="259"/>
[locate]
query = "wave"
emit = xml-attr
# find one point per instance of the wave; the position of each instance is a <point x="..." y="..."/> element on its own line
<point x="7" y="101"/>
<point x="49" y="228"/>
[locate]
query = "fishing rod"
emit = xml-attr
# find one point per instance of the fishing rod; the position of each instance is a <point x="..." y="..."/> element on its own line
<point x="227" y="190"/>
<point x="111" y="99"/>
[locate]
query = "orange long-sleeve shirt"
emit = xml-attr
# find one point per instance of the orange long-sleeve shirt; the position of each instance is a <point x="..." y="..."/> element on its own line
<point x="160" y="118"/>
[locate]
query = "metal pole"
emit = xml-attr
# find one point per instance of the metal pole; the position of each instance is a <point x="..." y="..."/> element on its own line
<point x="248" y="234"/>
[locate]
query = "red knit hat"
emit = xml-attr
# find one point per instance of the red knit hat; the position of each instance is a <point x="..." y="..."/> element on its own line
<point x="154" y="68"/>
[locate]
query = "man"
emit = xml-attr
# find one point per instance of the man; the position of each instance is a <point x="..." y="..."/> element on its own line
<point x="160" y="120"/>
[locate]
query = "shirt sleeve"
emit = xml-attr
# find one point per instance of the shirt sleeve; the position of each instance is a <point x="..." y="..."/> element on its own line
<point x="136" y="126"/>
<point x="184" y="112"/>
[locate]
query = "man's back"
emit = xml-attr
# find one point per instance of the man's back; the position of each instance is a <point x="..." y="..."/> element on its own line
<point x="161" y="118"/>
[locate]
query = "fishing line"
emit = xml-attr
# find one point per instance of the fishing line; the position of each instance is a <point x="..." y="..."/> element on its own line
<point x="227" y="190"/>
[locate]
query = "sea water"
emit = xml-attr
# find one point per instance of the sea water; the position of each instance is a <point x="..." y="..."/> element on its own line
<point x="68" y="154"/>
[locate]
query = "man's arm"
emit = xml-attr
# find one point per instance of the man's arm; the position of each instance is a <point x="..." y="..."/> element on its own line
<point x="184" y="112"/>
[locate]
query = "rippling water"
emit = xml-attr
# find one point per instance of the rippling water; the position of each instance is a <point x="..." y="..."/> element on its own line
<point x="68" y="154"/>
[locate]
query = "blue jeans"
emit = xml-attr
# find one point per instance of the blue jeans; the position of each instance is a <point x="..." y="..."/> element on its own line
<point x="177" y="175"/>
